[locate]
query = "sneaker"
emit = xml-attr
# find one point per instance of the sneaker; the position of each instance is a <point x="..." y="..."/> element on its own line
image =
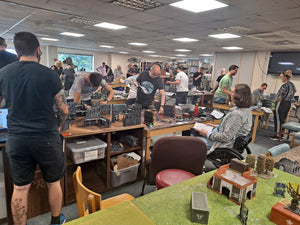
<point x="274" y="138"/>
<point x="62" y="220"/>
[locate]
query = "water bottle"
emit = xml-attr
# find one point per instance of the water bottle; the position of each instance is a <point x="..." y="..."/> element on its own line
<point x="259" y="104"/>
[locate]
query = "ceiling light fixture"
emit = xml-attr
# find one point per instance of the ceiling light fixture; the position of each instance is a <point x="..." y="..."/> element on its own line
<point x="111" y="26"/>
<point x="197" y="6"/>
<point x="72" y="34"/>
<point x="140" y="5"/>
<point x="232" y="48"/>
<point x="185" y="39"/>
<point x="137" y="44"/>
<point x="49" y="39"/>
<point x="183" y="50"/>
<point x="206" y="55"/>
<point x="180" y="55"/>
<point x="154" y="55"/>
<point x="148" y="51"/>
<point x="123" y="52"/>
<point x="106" y="46"/>
<point x="224" y="36"/>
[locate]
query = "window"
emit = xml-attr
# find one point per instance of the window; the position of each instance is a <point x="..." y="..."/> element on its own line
<point x="82" y="62"/>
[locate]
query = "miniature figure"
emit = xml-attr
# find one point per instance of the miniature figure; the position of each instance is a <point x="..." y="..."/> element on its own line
<point x="294" y="191"/>
<point x="243" y="216"/>
<point x="279" y="189"/>
<point x="251" y="160"/>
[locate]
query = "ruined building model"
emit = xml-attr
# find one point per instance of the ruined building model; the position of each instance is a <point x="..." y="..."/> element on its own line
<point x="234" y="180"/>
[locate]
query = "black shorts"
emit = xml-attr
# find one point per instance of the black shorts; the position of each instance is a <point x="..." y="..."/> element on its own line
<point x="25" y="152"/>
<point x="181" y="97"/>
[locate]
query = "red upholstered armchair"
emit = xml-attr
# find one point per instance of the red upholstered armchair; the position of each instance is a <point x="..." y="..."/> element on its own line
<point x="176" y="152"/>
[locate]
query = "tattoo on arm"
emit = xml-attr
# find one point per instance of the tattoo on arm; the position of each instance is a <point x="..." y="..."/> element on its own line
<point x="61" y="104"/>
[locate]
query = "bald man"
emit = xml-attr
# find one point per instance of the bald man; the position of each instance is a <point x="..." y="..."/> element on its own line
<point x="223" y="72"/>
<point x="149" y="82"/>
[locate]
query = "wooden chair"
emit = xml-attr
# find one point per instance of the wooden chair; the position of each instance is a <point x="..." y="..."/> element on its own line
<point x="89" y="201"/>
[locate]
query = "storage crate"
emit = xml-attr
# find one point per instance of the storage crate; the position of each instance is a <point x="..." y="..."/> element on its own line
<point x="123" y="176"/>
<point x="86" y="149"/>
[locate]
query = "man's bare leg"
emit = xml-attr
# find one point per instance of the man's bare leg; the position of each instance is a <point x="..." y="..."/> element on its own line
<point x="55" y="198"/>
<point x="19" y="204"/>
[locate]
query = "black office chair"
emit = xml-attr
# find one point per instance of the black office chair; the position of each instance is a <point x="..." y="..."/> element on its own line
<point x="222" y="156"/>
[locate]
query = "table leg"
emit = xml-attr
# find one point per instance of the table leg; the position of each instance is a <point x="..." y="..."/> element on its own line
<point x="254" y="129"/>
<point x="148" y="144"/>
<point x="267" y="121"/>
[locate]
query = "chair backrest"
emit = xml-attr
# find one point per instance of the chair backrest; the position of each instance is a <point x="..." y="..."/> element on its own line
<point x="241" y="142"/>
<point x="87" y="200"/>
<point x="177" y="152"/>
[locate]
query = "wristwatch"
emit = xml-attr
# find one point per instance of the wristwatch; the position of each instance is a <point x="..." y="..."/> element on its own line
<point x="161" y="105"/>
<point x="107" y="100"/>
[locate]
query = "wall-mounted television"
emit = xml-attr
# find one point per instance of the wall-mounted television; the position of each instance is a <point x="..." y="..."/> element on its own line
<point x="281" y="61"/>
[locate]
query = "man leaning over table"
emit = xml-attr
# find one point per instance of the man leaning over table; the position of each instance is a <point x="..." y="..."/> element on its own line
<point x="224" y="90"/>
<point x="85" y="85"/>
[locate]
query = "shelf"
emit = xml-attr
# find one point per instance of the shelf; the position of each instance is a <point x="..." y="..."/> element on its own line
<point x="127" y="150"/>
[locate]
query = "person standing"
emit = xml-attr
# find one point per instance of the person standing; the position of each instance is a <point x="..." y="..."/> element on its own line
<point x="166" y="73"/>
<point x="223" y="72"/>
<point x="224" y="90"/>
<point x="131" y="82"/>
<point x="30" y="91"/>
<point x="284" y="98"/>
<point x="118" y="73"/>
<point x="148" y="83"/>
<point x="57" y="67"/>
<point x="182" y="82"/>
<point x="130" y="70"/>
<point x="197" y="78"/>
<point x="5" y="57"/>
<point x="68" y="75"/>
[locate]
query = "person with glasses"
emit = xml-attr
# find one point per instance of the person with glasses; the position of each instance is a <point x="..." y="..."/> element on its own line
<point x="148" y="83"/>
<point x="30" y="90"/>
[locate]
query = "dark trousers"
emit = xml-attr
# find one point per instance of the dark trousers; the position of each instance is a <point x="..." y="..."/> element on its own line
<point x="281" y="111"/>
<point x="181" y="97"/>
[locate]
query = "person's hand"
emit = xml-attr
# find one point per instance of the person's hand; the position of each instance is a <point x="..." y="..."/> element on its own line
<point x="161" y="110"/>
<point x="87" y="106"/>
<point x="104" y="102"/>
<point x="203" y="132"/>
<point x="211" y="124"/>
<point x="211" y="91"/>
<point x="168" y="82"/>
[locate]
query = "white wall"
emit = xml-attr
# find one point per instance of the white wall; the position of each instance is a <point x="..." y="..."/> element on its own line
<point x="253" y="70"/>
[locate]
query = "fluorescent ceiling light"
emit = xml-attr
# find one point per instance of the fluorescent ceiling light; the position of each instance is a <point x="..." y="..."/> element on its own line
<point x="110" y="26"/>
<point x="180" y="55"/>
<point x="224" y="36"/>
<point x="183" y="50"/>
<point x="50" y="39"/>
<point x="297" y="68"/>
<point x="286" y="63"/>
<point x="185" y="39"/>
<point x="106" y="46"/>
<point x="206" y="55"/>
<point x="72" y="34"/>
<point x="172" y="57"/>
<point x="154" y="55"/>
<point x="137" y="44"/>
<point x="197" y="6"/>
<point x="123" y="52"/>
<point x="232" y="48"/>
<point x="148" y="51"/>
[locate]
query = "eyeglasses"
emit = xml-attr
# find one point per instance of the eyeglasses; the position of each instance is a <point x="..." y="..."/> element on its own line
<point x="41" y="53"/>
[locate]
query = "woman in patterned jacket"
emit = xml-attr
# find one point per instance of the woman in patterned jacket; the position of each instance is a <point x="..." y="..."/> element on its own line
<point x="237" y="122"/>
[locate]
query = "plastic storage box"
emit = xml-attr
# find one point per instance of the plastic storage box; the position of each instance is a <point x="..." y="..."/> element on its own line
<point x="86" y="149"/>
<point x="123" y="176"/>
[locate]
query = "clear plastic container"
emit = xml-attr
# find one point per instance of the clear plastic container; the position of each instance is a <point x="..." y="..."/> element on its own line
<point x="123" y="176"/>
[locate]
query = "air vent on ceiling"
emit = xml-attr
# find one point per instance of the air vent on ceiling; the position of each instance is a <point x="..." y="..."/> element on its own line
<point x="83" y="20"/>
<point x="284" y="42"/>
<point x="235" y="30"/>
<point x="140" y="5"/>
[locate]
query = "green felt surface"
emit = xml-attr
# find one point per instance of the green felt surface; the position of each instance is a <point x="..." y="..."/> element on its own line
<point x="171" y="205"/>
<point x="124" y="213"/>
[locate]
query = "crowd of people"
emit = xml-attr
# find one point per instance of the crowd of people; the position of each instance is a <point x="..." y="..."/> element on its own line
<point x="30" y="90"/>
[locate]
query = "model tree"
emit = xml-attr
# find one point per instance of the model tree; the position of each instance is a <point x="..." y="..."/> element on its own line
<point x="251" y="160"/>
<point x="260" y="165"/>
<point x="269" y="164"/>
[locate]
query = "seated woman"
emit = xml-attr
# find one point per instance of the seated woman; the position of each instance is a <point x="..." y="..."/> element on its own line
<point x="237" y="122"/>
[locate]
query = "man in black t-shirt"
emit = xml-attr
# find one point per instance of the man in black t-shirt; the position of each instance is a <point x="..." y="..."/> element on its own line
<point x="149" y="82"/>
<point x="223" y="73"/>
<point x="5" y="57"/>
<point x="197" y="78"/>
<point x="30" y="91"/>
